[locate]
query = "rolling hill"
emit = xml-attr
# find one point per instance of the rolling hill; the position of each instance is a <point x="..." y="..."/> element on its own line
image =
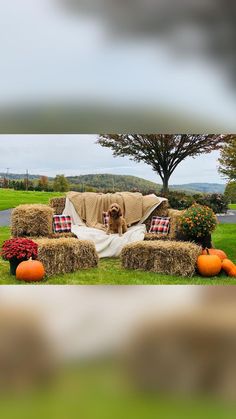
<point x="112" y="182"/>
<point x="125" y="182"/>
<point x="201" y="187"/>
<point x="115" y="182"/>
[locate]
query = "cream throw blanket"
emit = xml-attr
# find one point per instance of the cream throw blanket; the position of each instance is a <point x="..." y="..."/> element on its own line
<point x="90" y="206"/>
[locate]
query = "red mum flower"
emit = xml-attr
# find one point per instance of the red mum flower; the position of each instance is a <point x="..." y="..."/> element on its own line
<point x="19" y="248"/>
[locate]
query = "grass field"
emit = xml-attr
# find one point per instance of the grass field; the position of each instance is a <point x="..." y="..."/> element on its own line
<point x="110" y="271"/>
<point x="10" y="198"/>
<point x="232" y="206"/>
<point x="100" y="391"/>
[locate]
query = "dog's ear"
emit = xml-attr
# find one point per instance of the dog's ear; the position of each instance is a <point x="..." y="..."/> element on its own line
<point x="109" y="212"/>
<point x="120" y="212"/>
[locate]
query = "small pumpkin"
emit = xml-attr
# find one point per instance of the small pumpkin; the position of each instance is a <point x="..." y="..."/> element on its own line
<point x="222" y="255"/>
<point x="209" y="265"/>
<point x="232" y="272"/>
<point x="30" y="270"/>
<point x="227" y="265"/>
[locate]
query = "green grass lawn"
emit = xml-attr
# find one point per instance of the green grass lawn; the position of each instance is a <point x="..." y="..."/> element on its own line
<point x="232" y="206"/>
<point x="10" y="198"/>
<point x="110" y="271"/>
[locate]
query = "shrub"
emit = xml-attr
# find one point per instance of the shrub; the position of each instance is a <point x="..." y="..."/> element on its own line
<point x="217" y="202"/>
<point x="179" y="200"/>
<point x="197" y="221"/>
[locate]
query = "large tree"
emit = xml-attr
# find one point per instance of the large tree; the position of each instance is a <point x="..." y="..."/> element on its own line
<point x="162" y="152"/>
<point x="228" y="159"/>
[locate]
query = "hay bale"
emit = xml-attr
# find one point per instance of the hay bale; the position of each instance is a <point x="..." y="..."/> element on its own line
<point x="189" y="353"/>
<point x="175" y="216"/>
<point x="154" y="236"/>
<point x="65" y="235"/>
<point x="56" y="236"/>
<point x="166" y="257"/>
<point x="28" y="358"/>
<point x="32" y="221"/>
<point x="58" y="204"/>
<point x="65" y="255"/>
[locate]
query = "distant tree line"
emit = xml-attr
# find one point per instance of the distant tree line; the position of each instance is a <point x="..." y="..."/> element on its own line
<point x="59" y="184"/>
<point x="42" y="184"/>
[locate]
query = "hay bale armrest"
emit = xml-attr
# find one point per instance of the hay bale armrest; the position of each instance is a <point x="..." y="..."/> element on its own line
<point x="161" y="211"/>
<point x="165" y="257"/>
<point x="66" y="255"/>
<point x="32" y="221"/>
<point x="175" y="216"/>
<point x="173" y="232"/>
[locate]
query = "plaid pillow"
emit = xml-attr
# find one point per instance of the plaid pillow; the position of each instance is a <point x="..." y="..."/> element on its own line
<point x="105" y="218"/>
<point x="62" y="224"/>
<point x="160" y="225"/>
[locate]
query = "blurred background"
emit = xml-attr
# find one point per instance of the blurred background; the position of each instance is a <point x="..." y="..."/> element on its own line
<point x="97" y="352"/>
<point x="114" y="66"/>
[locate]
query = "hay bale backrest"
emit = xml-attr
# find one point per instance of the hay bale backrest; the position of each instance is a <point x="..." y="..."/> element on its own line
<point x="58" y="204"/>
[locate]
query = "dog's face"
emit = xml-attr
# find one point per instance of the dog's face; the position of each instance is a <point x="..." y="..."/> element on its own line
<point x="115" y="211"/>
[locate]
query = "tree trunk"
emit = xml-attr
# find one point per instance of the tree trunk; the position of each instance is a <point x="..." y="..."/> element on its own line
<point x="165" y="187"/>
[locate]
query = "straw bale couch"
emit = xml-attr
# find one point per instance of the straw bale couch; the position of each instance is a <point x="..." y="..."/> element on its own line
<point x="157" y="253"/>
<point x="62" y="253"/>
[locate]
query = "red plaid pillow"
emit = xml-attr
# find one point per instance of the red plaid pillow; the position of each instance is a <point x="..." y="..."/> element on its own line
<point x="105" y="218"/>
<point x="62" y="224"/>
<point x="160" y="225"/>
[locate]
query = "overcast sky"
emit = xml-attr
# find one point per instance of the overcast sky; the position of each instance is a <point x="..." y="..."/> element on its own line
<point x="78" y="154"/>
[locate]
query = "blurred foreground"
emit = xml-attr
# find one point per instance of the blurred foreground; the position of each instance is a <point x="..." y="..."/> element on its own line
<point x="101" y="352"/>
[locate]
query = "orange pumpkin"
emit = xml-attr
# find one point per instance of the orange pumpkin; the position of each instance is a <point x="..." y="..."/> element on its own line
<point x="232" y="272"/>
<point x="222" y="255"/>
<point x="209" y="265"/>
<point x="227" y="265"/>
<point x="30" y="270"/>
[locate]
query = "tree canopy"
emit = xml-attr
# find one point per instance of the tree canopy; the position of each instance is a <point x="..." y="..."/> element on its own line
<point x="228" y="159"/>
<point x="230" y="191"/>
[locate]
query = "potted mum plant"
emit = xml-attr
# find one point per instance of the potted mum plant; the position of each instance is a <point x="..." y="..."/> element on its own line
<point x="197" y="223"/>
<point x="17" y="250"/>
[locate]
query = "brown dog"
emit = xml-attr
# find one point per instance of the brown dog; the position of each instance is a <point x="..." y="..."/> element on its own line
<point x="117" y="223"/>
